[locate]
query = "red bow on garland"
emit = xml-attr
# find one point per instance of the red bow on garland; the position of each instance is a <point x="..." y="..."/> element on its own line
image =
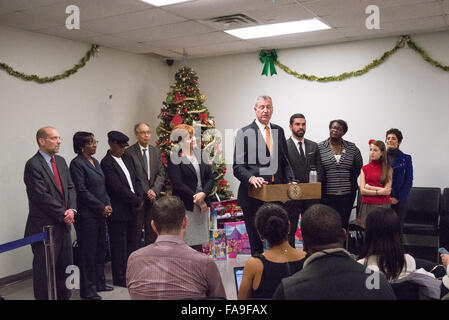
<point x="203" y="118"/>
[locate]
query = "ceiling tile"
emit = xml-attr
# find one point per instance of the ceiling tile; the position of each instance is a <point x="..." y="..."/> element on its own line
<point x="279" y="14"/>
<point x="428" y="9"/>
<point x="63" y="32"/>
<point x="408" y="26"/>
<point x="204" y="9"/>
<point x="333" y="7"/>
<point x="224" y="48"/>
<point x="26" y="22"/>
<point x="445" y="6"/>
<point x="16" y="5"/>
<point x="132" y="21"/>
<point x="297" y="40"/>
<point x="194" y="40"/>
<point x="166" y="31"/>
<point x="4" y="11"/>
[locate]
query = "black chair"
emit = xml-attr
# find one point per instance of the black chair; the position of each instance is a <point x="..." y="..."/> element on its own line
<point x="355" y="233"/>
<point x="445" y="202"/>
<point x="423" y="212"/>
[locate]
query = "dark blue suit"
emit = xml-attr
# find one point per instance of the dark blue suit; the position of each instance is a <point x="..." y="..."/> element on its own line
<point x="90" y="225"/>
<point x="252" y="158"/>
<point x="402" y="181"/>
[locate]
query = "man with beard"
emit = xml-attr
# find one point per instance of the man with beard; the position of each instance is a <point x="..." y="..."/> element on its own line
<point x="303" y="156"/>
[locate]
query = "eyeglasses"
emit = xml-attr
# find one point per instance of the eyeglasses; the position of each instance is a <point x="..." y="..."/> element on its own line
<point x="144" y="133"/>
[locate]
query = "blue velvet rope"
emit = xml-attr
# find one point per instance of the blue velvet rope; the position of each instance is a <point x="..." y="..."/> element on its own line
<point x="23" y="242"/>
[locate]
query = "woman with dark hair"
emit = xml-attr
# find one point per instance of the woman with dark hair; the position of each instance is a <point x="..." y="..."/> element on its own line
<point x="263" y="273"/>
<point x="375" y="181"/>
<point x="93" y="208"/>
<point x="402" y="172"/>
<point x="192" y="181"/>
<point x="341" y="161"/>
<point x="383" y="249"/>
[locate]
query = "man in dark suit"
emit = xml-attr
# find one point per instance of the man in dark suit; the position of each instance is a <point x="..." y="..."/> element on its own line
<point x="52" y="201"/>
<point x="260" y="157"/>
<point x="303" y="156"/>
<point x="125" y="192"/>
<point x="151" y="173"/>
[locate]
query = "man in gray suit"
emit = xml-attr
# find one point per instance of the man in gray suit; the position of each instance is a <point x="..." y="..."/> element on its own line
<point x="151" y="173"/>
<point x="52" y="201"/>
<point x="303" y="156"/>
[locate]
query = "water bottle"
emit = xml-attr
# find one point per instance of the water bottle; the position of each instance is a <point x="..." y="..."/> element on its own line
<point x="313" y="175"/>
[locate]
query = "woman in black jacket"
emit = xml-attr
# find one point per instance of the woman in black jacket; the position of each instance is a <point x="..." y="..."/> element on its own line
<point x="94" y="206"/>
<point x="192" y="181"/>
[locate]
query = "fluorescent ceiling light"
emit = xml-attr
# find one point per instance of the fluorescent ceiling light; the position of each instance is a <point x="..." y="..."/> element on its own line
<point x="160" y="3"/>
<point x="277" y="29"/>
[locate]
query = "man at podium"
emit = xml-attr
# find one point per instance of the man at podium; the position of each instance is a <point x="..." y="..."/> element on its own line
<point x="260" y="157"/>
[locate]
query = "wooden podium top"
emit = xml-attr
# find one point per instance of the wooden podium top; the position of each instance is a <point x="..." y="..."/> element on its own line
<point x="286" y="192"/>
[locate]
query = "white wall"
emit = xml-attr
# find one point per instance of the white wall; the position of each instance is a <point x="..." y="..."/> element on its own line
<point x="81" y="102"/>
<point x="405" y="92"/>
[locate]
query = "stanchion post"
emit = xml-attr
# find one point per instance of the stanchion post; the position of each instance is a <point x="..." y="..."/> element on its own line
<point x="50" y="262"/>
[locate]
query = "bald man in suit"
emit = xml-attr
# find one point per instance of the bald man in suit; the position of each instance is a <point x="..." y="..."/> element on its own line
<point x="52" y="201"/>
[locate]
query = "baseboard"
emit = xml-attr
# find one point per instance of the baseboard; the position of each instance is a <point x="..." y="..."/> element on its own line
<point x="16" y="277"/>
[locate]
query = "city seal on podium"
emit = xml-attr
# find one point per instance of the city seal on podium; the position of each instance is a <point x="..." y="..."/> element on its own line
<point x="294" y="192"/>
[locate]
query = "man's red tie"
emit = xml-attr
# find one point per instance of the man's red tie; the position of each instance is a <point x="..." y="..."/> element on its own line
<point x="56" y="173"/>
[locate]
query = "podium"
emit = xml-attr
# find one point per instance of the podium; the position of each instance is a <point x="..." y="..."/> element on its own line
<point x="286" y="192"/>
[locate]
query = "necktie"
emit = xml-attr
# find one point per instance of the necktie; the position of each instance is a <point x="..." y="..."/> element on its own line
<point x="56" y="173"/>
<point x="145" y="160"/>
<point x="268" y="141"/>
<point x="268" y="138"/>
<point x="301" y="152"/>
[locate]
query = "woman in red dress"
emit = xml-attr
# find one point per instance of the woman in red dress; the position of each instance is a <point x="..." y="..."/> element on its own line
<point x="375" y="181"/>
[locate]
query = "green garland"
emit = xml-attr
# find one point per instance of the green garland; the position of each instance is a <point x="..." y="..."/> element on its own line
<point x="93" y="50"/>
<point x="403" y="42"/>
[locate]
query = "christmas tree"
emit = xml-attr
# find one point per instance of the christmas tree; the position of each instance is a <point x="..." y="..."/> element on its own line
<point x="185" y="104"/>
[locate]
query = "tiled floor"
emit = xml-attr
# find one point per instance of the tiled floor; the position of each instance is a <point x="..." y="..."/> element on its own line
<point x="23" y="290"/>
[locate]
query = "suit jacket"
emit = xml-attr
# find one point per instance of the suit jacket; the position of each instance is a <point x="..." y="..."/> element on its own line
<point x="313" y="158"/>
<point x="45" y="201"/>
<point x="252" y="158"/>
<point x="184" y="180"/>
<point x="90" y="185"/>
<point x="402" y="176"/>
<point x="333" y="275"/>
<point x="123" y="200"/>
<point x="157" y="169"/>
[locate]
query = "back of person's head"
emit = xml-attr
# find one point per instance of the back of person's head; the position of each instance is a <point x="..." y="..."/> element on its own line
<point x="272" y="223"/>
<point x="321" y="228"/>
<point x="168" y="214"/>
<point x="383" y="239"/>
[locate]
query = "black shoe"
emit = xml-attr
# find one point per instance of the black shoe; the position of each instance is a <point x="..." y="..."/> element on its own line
<point x="92" y="297"/>
<point x="104" y="288"/>
<point x="120" y="284"/>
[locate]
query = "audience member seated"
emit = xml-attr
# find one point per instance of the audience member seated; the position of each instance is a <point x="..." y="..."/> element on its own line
<point x="383" y="251"/>
<point x="169" y="269"/>
<point x="263" y="272"/>
<point x="330" y="273"/>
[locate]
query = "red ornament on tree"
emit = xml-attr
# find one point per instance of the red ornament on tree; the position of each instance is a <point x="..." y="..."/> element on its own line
<point x="177" y="119"/>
